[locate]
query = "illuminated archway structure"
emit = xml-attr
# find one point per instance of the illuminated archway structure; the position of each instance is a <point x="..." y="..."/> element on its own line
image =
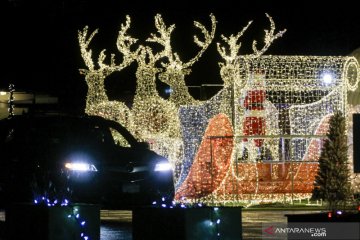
<point x="258" y="139"/>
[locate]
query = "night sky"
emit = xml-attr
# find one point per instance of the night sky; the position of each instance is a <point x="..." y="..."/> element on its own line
<point x="40" y="49"/>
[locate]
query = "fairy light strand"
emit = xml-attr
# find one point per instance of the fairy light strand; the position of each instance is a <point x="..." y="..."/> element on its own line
<point x="74" y="214"/>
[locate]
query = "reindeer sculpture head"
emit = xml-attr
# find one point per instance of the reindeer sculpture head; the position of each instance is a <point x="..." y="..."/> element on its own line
<point x="146" y="72"/>
<point x="95" y="76"/>
<point x="235" y="66"/>
<point x="153" y="115"/>
<point x="175" y="69"/>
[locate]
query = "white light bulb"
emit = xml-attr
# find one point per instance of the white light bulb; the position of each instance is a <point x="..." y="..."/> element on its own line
<point x="327" y="78"/>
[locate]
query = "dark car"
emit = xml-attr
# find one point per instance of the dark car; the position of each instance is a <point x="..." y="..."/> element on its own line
<point x="57" y="159"/>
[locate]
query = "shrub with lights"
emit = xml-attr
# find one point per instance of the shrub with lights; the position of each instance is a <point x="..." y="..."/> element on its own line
<point x="332" y="182"/>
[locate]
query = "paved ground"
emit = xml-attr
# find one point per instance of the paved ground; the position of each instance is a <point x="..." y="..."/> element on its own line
<point x="116" y="225"/>
<point x="251" y="223"/>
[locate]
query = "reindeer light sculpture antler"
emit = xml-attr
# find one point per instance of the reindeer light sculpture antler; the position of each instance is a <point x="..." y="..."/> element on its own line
<point x="270" y="36"/>
<point x="97" y="102"/>
<point x="124" y="43"/>
<point x="230" y="70"/>
<point x="175" y="68"/>
<point x="95" y="77"/>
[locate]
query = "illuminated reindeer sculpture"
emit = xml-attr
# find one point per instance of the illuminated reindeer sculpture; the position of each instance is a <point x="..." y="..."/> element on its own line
<point x="175" y="69"/>
<point x="97" y="102"/>
<point x="154" y="116"/>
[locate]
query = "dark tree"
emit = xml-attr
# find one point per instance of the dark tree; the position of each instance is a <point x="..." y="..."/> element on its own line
<point x="332" y="182"/>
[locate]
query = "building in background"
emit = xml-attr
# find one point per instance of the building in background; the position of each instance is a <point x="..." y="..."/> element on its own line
<point x="26" y="101"/>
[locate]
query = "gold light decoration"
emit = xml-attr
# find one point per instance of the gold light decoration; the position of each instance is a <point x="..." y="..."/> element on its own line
<point x="97" y="102"/>
<point x="152" y="114"/>
<point x="257" y="140"/>
<point x="234" y="64"/>
<point x="165" y="134"/>
<point x="175" y="69"/>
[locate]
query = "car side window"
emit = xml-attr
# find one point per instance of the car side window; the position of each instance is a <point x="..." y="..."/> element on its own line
<point x="84" y="132"/>
<point x="102" y="134"/>
<point x="119" y="139"/>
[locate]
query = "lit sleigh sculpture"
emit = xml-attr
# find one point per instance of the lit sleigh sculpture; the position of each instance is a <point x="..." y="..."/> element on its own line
<point x="259" y="138"/>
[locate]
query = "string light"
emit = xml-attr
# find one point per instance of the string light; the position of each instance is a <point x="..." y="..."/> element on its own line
<point x="97" y="102"/>
<point x="257" y="140"/>
<point x="303" y="111"/>
<point x="11" y="100"/>
<point x="175" y="69"/>
<point x="74" y="215"/>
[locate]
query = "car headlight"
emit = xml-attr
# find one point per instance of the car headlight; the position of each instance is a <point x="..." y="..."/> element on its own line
<point x="80" y="166"/>
<point x="163" y="166"/>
